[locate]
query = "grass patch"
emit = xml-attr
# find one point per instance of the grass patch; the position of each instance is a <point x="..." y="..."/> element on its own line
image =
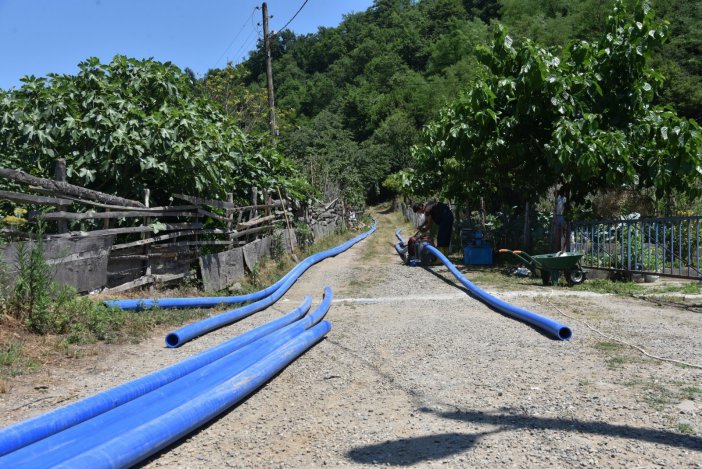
<point x="13" y="361"/>
<point x="615" y="362"/>
<point x="608" y="346"/>
<point x="690" y="392"/>
<point x="598" y="285"/>
<point x="632" y="288"/>
<point x="658" y="396"/>
<point x="685" y="429"/>
<point x="688" y="288"/>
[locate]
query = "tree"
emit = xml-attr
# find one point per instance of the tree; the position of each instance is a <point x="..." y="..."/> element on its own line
<point x="134" y="124"/>
<point x="581" y="122"/>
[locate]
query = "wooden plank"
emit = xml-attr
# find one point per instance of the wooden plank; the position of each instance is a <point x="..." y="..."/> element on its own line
<point x="135" y="229"/>
<point x="264" y="248"/>
<point x="34" y="199"/>
<point x="255" y="221"/>
<point x="108" y="206"/>
<point x="66" y="188"/>
<point x="200" y="243"/>
<point x="224" y="204"/>
<point x="207" y="213"/>
<point x="153" y="240"/>
<point x="170" y="277"/>
<point x="330" y="204"/>
<point x="222" y="269"/>
<point x="239" y="234"/>
<point x="16" y="234"/>
<point x="251" y="254"/>
<point x="145" y="280"/>
<point x="80" y="263"/>
<point x="290" y="240"/>
<point x="92" y="215"/>
<point x="141" y="281"/>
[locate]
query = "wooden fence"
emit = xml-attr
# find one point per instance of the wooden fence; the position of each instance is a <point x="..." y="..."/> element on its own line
<point x="100" y="242"/>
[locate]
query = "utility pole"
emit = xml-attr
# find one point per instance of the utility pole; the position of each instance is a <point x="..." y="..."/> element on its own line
<point x="269" y="70"/>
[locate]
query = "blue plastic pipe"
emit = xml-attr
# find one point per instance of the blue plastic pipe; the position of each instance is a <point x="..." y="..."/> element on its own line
<point x="555" y="329"/>
<point x="96" y="431"/>
<point x="191" y="331"/>
<point x="211" y="301"/>
<point x="401" y="249"/>
<point x="130" y="447"/>
<point x="398" y="236"/>
<point x="197" y="301"/>
<point x="36" y="428"/>
<point x="318" y="314"/>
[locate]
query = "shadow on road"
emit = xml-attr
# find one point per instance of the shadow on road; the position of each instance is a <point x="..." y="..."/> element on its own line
<point x="426" y="448"/>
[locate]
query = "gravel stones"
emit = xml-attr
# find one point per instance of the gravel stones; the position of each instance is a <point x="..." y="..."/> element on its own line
<point x="417" y="373"/>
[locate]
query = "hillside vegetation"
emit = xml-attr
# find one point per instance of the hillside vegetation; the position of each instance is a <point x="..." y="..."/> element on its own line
<point x="352" y="102"/>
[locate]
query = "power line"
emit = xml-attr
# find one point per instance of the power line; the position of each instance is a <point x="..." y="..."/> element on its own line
<point x="290" y="20"/>
<point x="237" y="35"/>
<point x="246" y="41"/>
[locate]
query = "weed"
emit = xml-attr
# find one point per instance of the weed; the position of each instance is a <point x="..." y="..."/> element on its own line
<point x="607" y="286"/>
<point x="277" y="245"/>
<point x="13" y="361"/>
<point x="256" y="273"/>
<point x="690" y="392"/>
<point x="31" y="299"/>
<point x="615" y="362"/>
<point x="686" y="428"/>
<point x="304" y="235"/>
<point x="658" y="396"/>
<point x="691" y="288"/>
<point x="608" y="346"/>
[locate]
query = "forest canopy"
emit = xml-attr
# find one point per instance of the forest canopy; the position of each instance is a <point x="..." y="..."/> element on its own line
<point x="352" y="102"/>
<point x="355" y="98"/>
<point x="581" y="119"/>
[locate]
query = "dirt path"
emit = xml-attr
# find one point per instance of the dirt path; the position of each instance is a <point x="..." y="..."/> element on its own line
<point x="417" y="373"/>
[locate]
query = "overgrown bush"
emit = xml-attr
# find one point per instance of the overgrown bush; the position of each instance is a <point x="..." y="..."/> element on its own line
<point x="304" y="234"/>
<point x="134" y="124"/>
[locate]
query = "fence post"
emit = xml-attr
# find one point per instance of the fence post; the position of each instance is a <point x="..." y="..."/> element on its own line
<point x="265" y="197"/>
<point x="60" y="175"/>
<point x="254" y="199"/>
<point x="147" y="247"/>
<point x="230" y="218"/>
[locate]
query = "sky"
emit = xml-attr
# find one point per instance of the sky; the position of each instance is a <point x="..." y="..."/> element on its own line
<point x="43" y="36"/>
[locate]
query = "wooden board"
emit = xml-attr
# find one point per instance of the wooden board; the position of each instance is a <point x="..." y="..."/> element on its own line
<point x="66" y="188"/>
<point x="218" y="271"/>
<point x="92" y="215"/>
<point x="264" y="247"/>
<point x="34" y="199"/>
<point x="251" y="254"/>
<point x="289" y="239"/>
<point x="223" y="204"/>
<point x="80" y="263"/>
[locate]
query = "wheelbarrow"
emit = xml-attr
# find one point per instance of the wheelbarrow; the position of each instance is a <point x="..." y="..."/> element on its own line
<point x="550" y="266"/>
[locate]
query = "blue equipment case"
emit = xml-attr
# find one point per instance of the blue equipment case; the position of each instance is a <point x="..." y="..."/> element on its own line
<point x="476" y="250"/>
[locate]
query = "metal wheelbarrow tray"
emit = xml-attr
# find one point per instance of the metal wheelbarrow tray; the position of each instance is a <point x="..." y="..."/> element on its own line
<point x="550" y="266"/>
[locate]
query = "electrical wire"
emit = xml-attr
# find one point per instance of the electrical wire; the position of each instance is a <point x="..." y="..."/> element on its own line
<point x="246" y="41"/>
<point x="293" y="17"/>
<point x="237" y="35"/>
<point x="644" y="352"/>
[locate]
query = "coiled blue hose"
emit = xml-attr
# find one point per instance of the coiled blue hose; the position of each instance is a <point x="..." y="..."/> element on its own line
<point x="104" y="427"/>
<point x="136" y="444"/>
<point x="36" y="428"/>
<point x="555" y="329"/>
<point x="191" y="331"/>
<point x="211" y="301"/>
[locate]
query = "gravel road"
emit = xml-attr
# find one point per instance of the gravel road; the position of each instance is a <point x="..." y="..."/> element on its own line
<point x="417" y="373"/>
